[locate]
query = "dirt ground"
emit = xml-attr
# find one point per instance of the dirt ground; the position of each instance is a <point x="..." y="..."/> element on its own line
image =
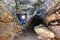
<point x="28" y="35"/>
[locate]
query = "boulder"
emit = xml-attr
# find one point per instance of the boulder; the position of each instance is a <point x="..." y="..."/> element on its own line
<point x="43" y="31"/>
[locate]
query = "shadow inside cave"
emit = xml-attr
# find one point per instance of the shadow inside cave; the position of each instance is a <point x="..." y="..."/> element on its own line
<point x="35" y="21"/>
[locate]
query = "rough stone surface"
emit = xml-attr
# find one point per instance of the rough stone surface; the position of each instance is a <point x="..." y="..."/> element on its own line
<point x="53" y="20"/>
<point x="44" y="33"/>
<point x="9" y="27"/>
<point x="10" y="4"/>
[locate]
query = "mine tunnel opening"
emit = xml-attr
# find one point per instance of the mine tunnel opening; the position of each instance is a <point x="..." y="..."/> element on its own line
<point x="35" y="21"/>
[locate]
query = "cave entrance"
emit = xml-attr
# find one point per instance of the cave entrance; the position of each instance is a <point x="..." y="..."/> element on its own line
<point x="35" y="21"/>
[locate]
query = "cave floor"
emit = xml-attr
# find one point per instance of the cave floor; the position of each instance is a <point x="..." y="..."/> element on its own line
<point x="27" y="35"/>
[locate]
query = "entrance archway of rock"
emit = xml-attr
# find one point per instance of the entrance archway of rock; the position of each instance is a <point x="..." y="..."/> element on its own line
<point x="35" y="21"/>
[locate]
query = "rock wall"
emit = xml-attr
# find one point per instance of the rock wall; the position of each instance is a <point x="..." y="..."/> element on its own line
<point x="53" y="20"/>
<point x="9" y="26"/>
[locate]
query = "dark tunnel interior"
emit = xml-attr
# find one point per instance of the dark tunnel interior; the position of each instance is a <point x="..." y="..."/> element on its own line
<point x="36" y="20"/>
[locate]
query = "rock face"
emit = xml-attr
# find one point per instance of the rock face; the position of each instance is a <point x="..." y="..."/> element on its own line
<point x="41" y="30"/>
<point x="10" y="4"/>
<point x="54" y="24"/>
<point x="8" y="26"/>
<point x="53" y="20"/>
<point x="54" y="13"/>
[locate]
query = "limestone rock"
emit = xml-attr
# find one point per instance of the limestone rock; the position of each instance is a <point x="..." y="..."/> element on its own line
<point x="56" y="30"/>
<point x="54" y="13"/>
<point x="54" y="20"/>
<point x="10" y="4"/>
<point x="43" y="31"/>
<point x="8" y="26"/>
